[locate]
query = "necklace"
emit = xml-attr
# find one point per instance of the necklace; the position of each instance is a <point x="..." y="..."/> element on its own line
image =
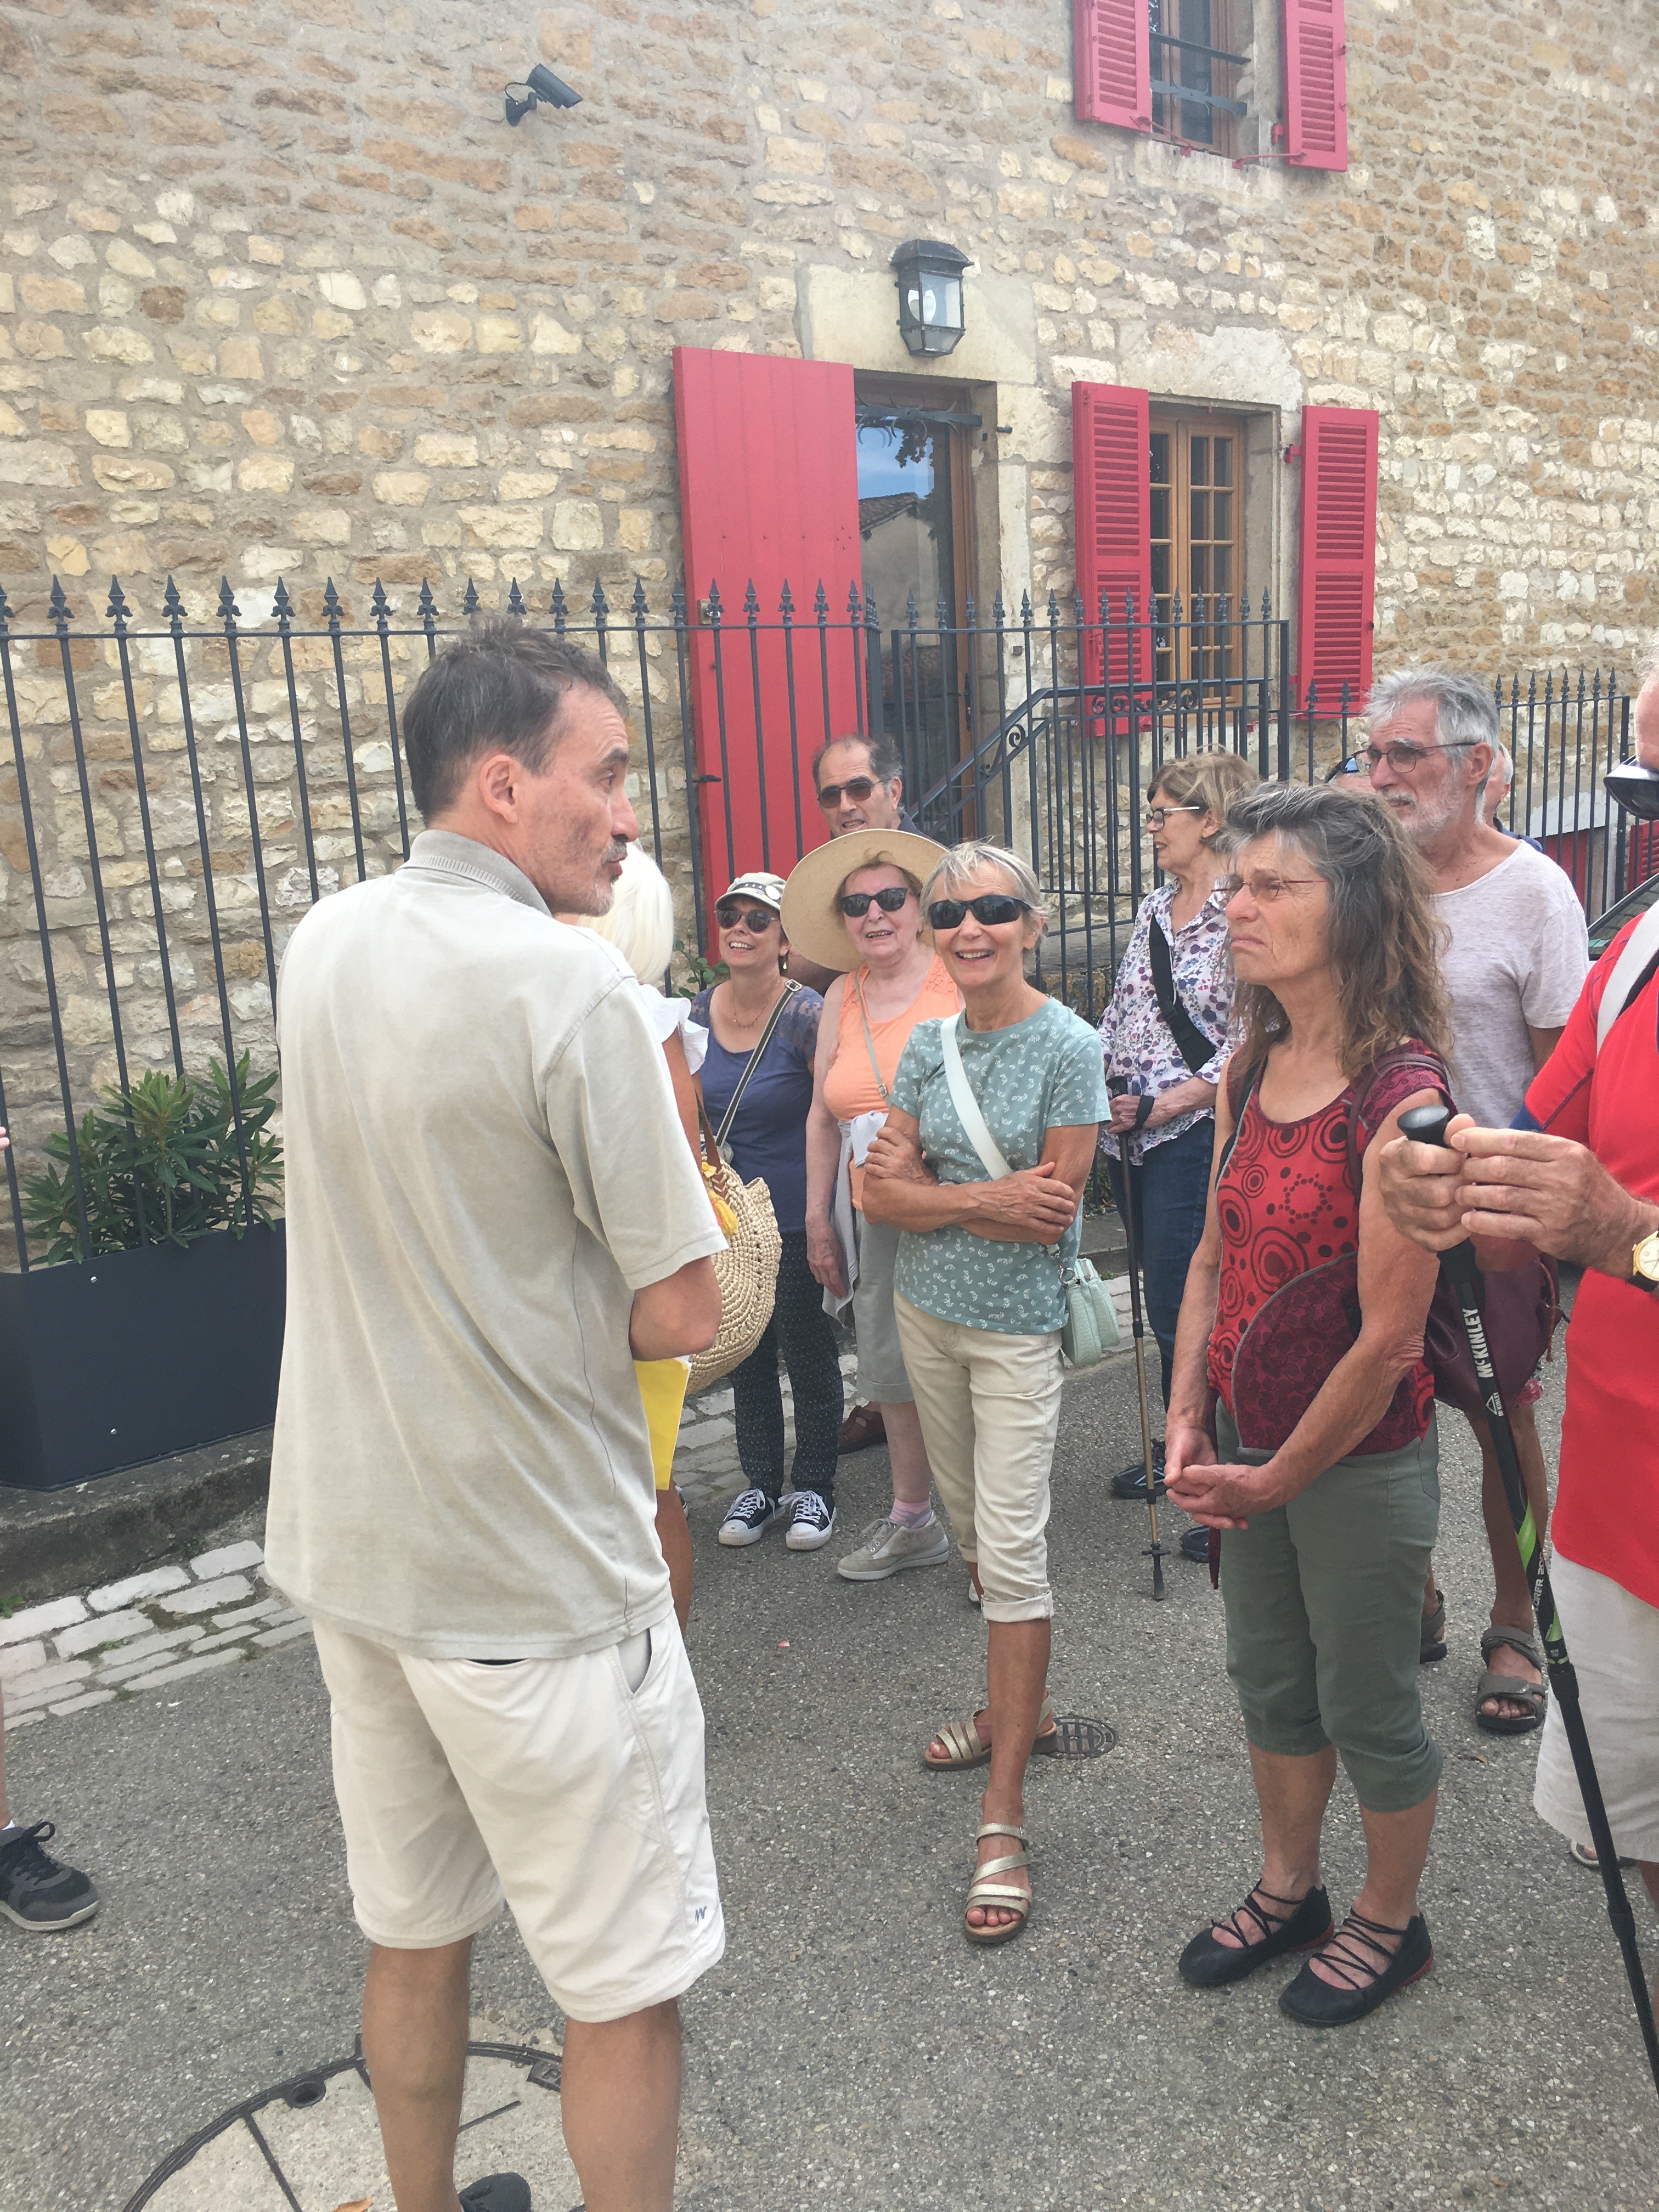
<point x="754" y="1020"/>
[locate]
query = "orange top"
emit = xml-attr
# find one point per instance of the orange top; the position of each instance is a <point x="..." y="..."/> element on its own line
<point x="850" y="1087"/>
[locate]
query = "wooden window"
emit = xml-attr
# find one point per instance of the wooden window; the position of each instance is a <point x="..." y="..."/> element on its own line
<point x="1195" y="72"/>
<point x="1197" y="533"/>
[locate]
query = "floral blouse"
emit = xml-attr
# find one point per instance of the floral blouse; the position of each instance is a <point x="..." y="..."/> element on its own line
<point x="1133" y="1029"/>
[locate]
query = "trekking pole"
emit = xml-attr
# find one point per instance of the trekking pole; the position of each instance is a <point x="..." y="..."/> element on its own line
<point x="1427" y="1125"/>
<point x="1118" y="1086"/>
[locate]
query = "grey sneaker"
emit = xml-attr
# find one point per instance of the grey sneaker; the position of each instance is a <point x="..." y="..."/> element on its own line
<point x="886" y="1548"/>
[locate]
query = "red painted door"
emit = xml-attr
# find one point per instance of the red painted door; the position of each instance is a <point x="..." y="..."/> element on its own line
<point x="769" y="498"/>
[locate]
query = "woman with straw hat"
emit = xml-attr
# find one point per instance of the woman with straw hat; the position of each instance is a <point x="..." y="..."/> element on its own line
<point x="854" y="905"/>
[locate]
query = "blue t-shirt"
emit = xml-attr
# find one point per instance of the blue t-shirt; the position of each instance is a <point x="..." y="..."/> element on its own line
<point x="769" y="1137"/>
<point x="1045" y="1072"/>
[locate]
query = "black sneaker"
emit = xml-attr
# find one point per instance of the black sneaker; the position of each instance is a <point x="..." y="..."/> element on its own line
<point x="812" y="1522"/>
<point x="1131" y="1482"/>
<point x="35" y="1891"/>
<point x="749" y="1517"/>
<point x="497" y="2192"/>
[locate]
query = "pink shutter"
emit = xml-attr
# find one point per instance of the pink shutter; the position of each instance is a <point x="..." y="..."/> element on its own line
<point x="1111" y="496"/>
<point x="768" y="495"/>
<point x="1112" y="64"/>
<point x="1315" y="84"/>
<point x="1338" y="554"/>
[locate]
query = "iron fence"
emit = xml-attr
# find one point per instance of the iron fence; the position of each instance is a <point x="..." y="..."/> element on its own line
<point x="183" y="786"/>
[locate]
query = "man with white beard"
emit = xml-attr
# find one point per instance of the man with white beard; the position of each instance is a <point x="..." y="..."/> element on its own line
<point x="1516" y="960"/>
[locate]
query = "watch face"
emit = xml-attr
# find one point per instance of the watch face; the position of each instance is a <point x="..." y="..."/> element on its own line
<point x="1645" y="1259"/>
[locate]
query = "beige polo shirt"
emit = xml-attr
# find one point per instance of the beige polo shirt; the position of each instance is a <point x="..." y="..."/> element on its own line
<point x="483" y="1163"/>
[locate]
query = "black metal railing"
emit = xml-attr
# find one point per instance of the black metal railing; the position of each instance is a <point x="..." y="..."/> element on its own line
<point x="180" y="785"/>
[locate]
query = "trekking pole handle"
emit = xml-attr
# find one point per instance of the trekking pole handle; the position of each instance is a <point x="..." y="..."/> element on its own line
<point x="1427" y="1125"/>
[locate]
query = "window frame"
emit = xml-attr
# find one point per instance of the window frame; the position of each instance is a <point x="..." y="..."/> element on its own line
<point x="1198" y="663"/>
<point x="1172" y="51"/>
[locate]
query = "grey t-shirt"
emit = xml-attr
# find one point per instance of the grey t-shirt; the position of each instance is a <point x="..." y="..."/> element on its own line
<point x="484" y="1163"/>
<point x="1518" y="956"/>
<point x="1045" y="1072"/>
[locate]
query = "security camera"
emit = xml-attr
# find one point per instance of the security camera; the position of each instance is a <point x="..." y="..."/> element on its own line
<point x="541" y="86"/>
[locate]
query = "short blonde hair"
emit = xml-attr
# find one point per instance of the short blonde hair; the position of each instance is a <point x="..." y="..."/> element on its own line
<point x="641" y="919"/>
<point x="1210" y="780"/>
<point x="964" y="862"/>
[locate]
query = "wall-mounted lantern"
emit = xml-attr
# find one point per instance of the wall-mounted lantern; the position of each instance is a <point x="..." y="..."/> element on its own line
<point x="929" y="274"/>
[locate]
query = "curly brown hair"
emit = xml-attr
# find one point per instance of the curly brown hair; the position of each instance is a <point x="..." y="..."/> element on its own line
<point x="1384" y="936"/>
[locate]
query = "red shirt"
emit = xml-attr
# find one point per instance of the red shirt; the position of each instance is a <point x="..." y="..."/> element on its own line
<point x="1607" y="1509"/>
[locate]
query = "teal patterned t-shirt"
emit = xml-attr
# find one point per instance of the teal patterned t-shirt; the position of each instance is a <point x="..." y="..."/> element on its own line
<point x="1045" y="1072"/>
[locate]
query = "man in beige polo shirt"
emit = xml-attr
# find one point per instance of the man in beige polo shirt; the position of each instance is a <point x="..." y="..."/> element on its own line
<point x="490" y="1206"/>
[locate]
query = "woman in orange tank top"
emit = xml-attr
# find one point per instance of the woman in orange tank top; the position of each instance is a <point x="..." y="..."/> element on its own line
<point x="856" y="905"/>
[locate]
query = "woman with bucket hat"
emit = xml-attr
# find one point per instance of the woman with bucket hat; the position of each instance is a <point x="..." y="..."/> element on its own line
<point x="757" y="1086"/>
<point x="854" y="904"/>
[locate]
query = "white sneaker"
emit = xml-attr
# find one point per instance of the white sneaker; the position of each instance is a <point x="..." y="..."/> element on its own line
<point x="812" y="1522"/>
<point x="749" y="1517"/>
<point x="886" y="1547"/>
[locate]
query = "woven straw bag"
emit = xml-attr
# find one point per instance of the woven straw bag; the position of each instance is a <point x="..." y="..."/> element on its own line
<point x="747" y="1270"/>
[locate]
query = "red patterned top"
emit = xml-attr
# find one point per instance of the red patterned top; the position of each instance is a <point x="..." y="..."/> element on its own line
<point x="1288" y="1211"/>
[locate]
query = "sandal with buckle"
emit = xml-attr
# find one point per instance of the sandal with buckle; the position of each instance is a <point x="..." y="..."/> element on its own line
<point x="1207" y="1965"/>
<point x="966" y="1747"/>
<point x="1534" y="1696"/>
<point x="1363" y="1986"/>
<point x="1001" y="1896"/>
<point x="1432" y="1645"/>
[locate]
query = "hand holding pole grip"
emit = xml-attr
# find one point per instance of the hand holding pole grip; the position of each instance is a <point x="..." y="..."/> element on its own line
<point x="1427" y="1125"/>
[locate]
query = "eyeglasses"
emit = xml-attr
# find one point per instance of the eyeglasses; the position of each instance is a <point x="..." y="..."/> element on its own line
<point x="1403" y="760"/>
<point x="729" y="914"/>
<point x="1157" y="816"/>
<point x="858" y="788"/>
<point x="856" y="904"/>
<point x="992" y="909"/>
<point x="1264" y="889"/>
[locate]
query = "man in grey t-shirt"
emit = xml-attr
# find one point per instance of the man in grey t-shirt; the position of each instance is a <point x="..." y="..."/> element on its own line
<point x="1516" y="958"/>
<point x="490" y="1204"/>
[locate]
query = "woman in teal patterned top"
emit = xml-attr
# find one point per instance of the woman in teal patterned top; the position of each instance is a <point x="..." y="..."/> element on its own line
<point x="981" y="1305"/>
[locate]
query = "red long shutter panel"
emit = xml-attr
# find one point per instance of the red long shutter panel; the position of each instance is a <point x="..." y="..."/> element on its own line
<point x="1112" y="64"/>
<point x="1338" y="554"/>
<point x="1111" y="494"/>
<point x="768" y="495"/>
<point x="1315" y="84"/>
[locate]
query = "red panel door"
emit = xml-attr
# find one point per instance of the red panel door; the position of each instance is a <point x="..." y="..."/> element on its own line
<point x="1338" y="554"/>
<point x="769" y="498"/>
<point x="1315" y="84"/>
<point x="1111" y="494"/>
<point x="1112" y="68"/>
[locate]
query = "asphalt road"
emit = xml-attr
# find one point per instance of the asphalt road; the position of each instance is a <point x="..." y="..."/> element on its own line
<point x="852" y="2046"/>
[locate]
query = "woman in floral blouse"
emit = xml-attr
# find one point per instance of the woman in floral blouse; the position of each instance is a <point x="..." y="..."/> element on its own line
<point x="1166" y="1117"/>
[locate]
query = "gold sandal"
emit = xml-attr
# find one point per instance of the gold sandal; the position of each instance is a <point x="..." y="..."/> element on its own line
<point x="1001" y="1896"/>
<point x="968" y="1747"/>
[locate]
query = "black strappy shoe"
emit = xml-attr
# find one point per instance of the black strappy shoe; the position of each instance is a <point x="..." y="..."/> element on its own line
<point x="1365" y="1983"/>
<point x="1207" y="1965"/>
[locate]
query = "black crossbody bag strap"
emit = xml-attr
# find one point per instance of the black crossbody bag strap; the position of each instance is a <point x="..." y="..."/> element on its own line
<point x="1194" y="1048"/>
<point x="761" y="1043"/>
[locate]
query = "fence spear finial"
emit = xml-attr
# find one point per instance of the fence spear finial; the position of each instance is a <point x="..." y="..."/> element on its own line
<point x="469" y="597"/>
<point x="516" y="598"/>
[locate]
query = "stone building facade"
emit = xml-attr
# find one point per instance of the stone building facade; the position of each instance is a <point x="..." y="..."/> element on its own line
<point x="282" y="295"/>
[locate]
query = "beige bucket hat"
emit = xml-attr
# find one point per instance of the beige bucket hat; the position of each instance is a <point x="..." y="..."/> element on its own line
<point x="811" y="919"/>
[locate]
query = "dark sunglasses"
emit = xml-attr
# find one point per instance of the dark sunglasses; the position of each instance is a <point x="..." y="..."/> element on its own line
<point x="991" y="907"/>
<point x="890" y="899"/>
<point x="858" y="788"/>
<point x="729" y="914"/>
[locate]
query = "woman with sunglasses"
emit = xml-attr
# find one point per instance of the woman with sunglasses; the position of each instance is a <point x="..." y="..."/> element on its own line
<point x="988" y="1206"/>
<point x="1163" y="1068"/>
<point x="854" y="905"/>
<point x="767" y="1140"/>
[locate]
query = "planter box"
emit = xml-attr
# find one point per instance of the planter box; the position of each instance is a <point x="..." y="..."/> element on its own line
<point x="104" y="1364"/>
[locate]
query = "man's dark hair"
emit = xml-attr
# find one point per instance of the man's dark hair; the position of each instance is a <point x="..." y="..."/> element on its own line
<point x="886" y="762"/>
<point x="500" y="687"/>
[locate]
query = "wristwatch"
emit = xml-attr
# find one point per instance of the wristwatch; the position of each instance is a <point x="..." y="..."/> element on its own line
<point x="1645" y="1263"/>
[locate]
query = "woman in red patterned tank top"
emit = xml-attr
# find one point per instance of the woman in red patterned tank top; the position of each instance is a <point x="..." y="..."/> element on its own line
<point x="1302" y="1416"/>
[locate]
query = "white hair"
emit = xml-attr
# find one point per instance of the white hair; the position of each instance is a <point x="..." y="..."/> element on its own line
<point x="1649" y="667"/>
<point x="640" y="920"/>
<point x="1496" y="789"/>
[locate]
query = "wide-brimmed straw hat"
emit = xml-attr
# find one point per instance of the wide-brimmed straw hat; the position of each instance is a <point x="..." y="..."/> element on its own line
<point x="811" y="919"/>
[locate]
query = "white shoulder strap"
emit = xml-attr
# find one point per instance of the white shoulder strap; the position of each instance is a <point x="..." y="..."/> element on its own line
<point x="1641" y="947"/>
<point x="962" y="1098"/>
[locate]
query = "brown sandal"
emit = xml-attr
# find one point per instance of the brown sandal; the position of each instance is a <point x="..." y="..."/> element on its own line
<point x="1534" y="1696"/>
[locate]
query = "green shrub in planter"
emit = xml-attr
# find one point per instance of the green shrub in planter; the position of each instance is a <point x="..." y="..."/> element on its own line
<point x="167" y="1143"/>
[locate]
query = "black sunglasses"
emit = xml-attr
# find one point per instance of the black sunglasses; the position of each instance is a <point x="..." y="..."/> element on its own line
<point x="858" y="788"/>
<point x="729" y="914"/>
<point x="857" y="904"/>
<point x="990" y="908"/>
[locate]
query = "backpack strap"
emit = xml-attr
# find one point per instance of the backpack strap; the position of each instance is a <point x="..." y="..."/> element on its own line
<point x="1632" y="972"/>
<point x="1402" y="1056"/>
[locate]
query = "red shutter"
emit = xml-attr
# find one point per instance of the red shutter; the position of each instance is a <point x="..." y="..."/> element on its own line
<point x="1339" y="553"/>
<point x="768" y="495"/>
<point x="1111" y="495"/>
<point x="1112" y="66"/>
<point x="1315" y="84"/>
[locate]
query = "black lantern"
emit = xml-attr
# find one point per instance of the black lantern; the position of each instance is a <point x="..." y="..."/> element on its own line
<point x="930" y="294"/>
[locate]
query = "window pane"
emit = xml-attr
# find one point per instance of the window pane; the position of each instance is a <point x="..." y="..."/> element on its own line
<point x="1221" y="568"/>
<point x="1198" y="502"/>
<point x="1161" y="571"/>
<point x="1160" y="457"/>
<point x="1221" y="514"/>
<point x="1223" y="460"/>
<point x="1200" y="461"/>
<point x="1200" y="569"/>
<point x="1160" y="512"/>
